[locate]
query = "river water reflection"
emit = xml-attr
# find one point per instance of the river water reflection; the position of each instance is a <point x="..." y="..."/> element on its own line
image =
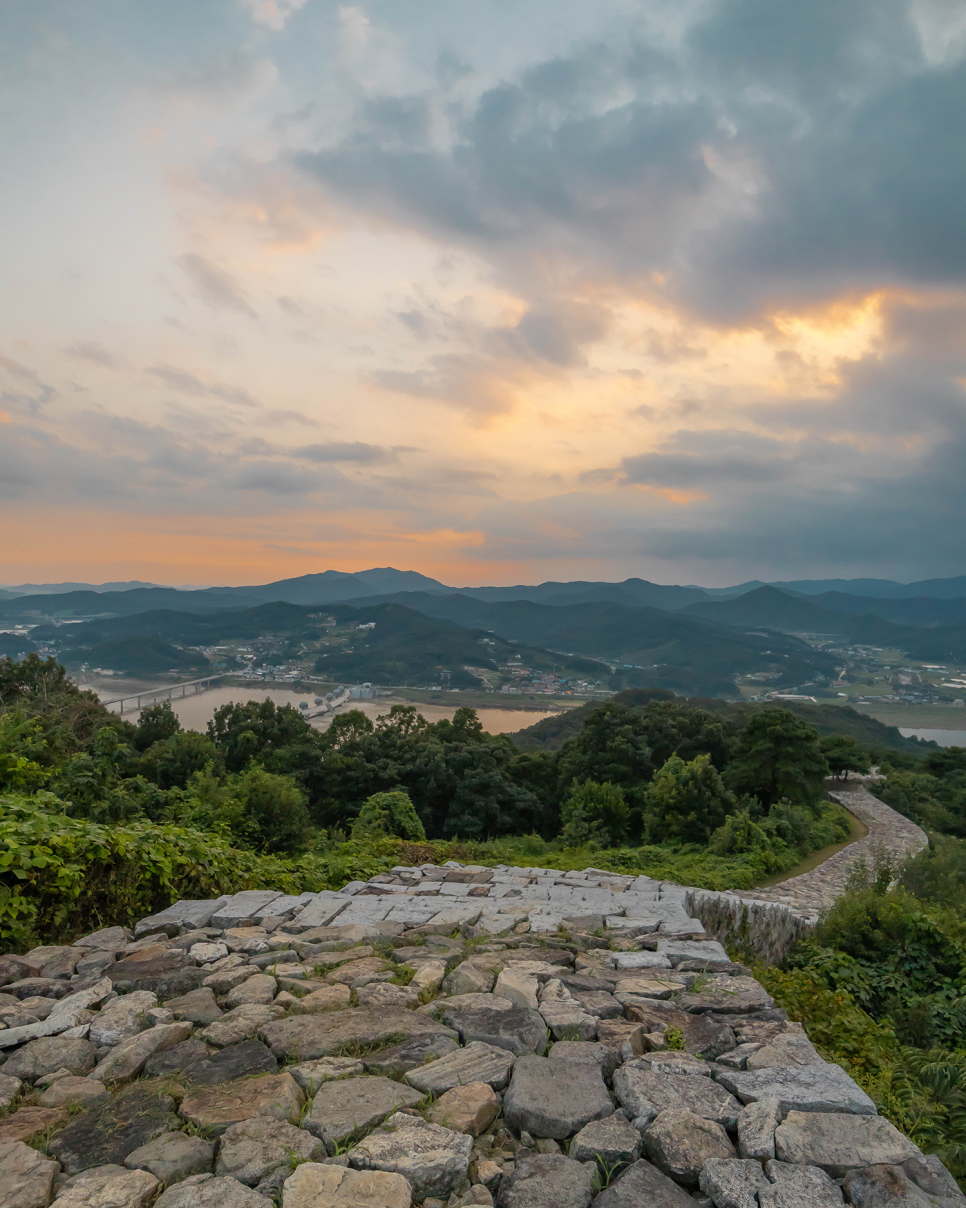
<point x="195" y="711"/>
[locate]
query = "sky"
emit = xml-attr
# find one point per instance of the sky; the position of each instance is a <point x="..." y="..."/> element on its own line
<point x="501" y="291"/>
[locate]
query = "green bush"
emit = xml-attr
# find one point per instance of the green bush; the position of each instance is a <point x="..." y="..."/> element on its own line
<point x="594" y="814"/>
<point x="686" y="801"/>
<point x="389" y="814"/>
<point x="62" y="876"/>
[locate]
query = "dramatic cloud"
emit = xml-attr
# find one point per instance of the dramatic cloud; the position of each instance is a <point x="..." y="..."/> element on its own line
<point x="560" y="290"/>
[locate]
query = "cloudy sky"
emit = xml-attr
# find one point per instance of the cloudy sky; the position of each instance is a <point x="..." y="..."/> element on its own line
<point x="498" y="290"/>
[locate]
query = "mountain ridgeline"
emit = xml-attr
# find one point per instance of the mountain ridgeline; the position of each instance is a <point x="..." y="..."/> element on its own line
<point x="690" y="640"/>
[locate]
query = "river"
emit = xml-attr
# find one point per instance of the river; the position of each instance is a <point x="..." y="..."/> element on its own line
<point x="945" y="738"/>
<point x="196" y="710"/>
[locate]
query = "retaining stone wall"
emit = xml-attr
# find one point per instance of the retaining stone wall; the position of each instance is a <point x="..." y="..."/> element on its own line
<point x="447" y="1037"/>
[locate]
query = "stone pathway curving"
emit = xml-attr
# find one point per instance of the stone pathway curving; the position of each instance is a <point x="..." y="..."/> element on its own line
<point x="815" y="890"/>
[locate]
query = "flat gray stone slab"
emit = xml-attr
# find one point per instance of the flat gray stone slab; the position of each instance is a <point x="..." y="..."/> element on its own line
<point x="321" y="912"/>
<point x="809" y="1088"/>
<point x="644" y="1186"/>
<point x="476" y="1063"/>
<point x="700" y="950"/>
<point x="800" y="1187"/>
<point x="284" y="904"/>
<point x="837" y="1143"/>
<point x="433" y="1159"/>
<point x="555" y="1098"/>
<point x="549" y="1181"/>
<point x="213" y="1193"/>
<point x="398" y="1058"/>
<point x="519" y="1030"/>
<point x="244" y="905"/>
<point x="645" y="1094"/>
<point x="182" y="916"/>
<point x="611" y="1141"/>
<point x="107" y="1132"/>
<point x="304" y="1037"/>
<point x="347" y="1107"/>
<point x="728" y="995"/>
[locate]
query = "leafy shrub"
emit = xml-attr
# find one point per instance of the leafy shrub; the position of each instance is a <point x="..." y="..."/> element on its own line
<point x="389" y="814"/>
<point x="686" y="801"/>
<point x="594" y="813"/>
<point x="62" y="876"/>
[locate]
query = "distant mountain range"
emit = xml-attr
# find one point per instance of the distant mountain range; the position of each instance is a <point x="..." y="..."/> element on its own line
<point x="335" y="586"/>
<point x="688" y="638"/>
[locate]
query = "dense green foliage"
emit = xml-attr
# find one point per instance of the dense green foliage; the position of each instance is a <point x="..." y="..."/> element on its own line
<point x="872" y="736"/>
<point x="136" y="656"/>
<point x="931" y="792"/>
<point x="881" y="984"/>
<point x="641" y="788"/>
<point x="881" y="988"/>
<point x="389" y="814"/>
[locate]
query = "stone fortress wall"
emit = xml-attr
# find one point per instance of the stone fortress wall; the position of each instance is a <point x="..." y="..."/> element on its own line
<point x="445" y="1036"/>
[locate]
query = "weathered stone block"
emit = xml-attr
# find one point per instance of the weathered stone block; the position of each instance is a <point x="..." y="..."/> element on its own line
<point x="343" y="1109"/>
<point x="213" y="1193"/>
<point x="809" y="1088"/>
<point x="432" y="1159"/>
<point x="304" y="1037"/>
<point x="254" y="1148"/>
<point x="680" y="1142"/>
<point x="756" y="1129"/>
<point x="107" y="1132"/>
<point x="518" y="1030"/>
<point x="172" y="1157"/>
<point x="244" y="1060"/>
<point x="644" y="1186"/>
<point x="216" y="1108"/>
<point x="611" y="1141"/>
<point x="109" y="1187"/>
<point x="646" y="1094"/>
<point x="554" y="1099"/>
<point x="471" y="1108"/>
<point x="476" y="1062"/>
<point x="548" y="1181"/>
<point x="315" y="1186"/>
<point x="48" y="1054"/>
<point x="26" y="1176"/>
<point x="837" y="1143"/>
<point x="732" y="1183"/>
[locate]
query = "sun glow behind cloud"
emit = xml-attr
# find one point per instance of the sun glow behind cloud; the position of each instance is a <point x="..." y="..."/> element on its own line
<point x="304" y="285"/>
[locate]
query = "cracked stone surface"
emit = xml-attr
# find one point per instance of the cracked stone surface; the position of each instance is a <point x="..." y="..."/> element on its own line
<point x="254" y="1148"/>
<point x="26" y="1176"/>
<point x="343" y="1109"/>
<point x="158" y="1014"/>
<point x="432" y="1159"/>
<point x="216" y="1108"/>
<point x="312" y="1186"/>
<point x="555" y="1099"/>
<point x="548" y="1181"/>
